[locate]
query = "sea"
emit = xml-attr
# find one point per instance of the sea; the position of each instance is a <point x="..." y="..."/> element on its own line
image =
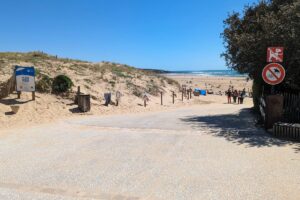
<point x="228" y="73"/>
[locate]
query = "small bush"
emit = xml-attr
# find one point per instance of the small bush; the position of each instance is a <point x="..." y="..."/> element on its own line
<point x="61" y="84"/>
<point x="37" y="72"/>
<point x="113" y="83"/>
<point x="153" y="89"/>
<point x="44" y="84"/>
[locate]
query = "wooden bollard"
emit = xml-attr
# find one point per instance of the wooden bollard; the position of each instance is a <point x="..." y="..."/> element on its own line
<point x="182" y="96"/>
<point x="19" y="94"/>
<point x="77" y="94"/>
<point x="161" y="98"/>
<point x="145" y="97"/>
<point x="118" y="97"/>
<point x="33" y="96"/>
<point x="173" y="96"/>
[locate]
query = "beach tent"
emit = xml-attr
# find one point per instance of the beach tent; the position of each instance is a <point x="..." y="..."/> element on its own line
<point x="203" y="92"/>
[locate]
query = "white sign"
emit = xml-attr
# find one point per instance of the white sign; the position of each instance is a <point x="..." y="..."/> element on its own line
<point x="275" y="54"/>
<point x="25" y="79"/>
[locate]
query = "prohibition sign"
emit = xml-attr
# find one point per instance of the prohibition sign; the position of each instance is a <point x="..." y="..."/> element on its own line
<point x="273" y="73"/>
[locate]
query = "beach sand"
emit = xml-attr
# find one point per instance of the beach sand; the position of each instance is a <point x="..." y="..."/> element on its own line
<point x="215" y="83"/>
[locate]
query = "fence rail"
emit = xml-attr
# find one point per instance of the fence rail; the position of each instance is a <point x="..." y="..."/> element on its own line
<point x="286" y="130"/>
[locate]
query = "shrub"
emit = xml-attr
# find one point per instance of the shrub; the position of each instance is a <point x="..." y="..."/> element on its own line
<point x="153" y="89"/>
<point x="113" y="83"/>
<point x="44" y="84"/>
<point x="61" y="83"/>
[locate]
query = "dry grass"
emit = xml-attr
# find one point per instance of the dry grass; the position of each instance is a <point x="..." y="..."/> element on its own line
<point x="94" y="77"/>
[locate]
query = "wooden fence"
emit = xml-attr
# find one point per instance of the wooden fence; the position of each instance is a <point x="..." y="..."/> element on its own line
<point x="7" y="87"/>
<point x="286" y="130"/>
<point x="291" y="108"/>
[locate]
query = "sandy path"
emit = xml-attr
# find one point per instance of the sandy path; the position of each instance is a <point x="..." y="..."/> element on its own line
<point x="203" y="152"/>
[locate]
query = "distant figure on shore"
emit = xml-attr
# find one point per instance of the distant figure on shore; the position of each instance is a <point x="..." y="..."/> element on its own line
<point x="235" y="96"/>
<point x="239" y="97"/>
<point x="243" y="95"/>
<point x="229" y="94"/>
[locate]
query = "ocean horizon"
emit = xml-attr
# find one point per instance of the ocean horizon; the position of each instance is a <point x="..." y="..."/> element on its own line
<point x="228" y="73"/>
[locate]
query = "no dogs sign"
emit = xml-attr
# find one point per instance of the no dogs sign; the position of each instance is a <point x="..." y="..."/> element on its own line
<point x="273" y="73"/>
<point x="275" y="54"/>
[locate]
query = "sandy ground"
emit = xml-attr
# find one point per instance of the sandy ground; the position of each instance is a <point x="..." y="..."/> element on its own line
<point x="50" y="108"/>
<point x="214" y="83"/>
<point x="210" y="151"/>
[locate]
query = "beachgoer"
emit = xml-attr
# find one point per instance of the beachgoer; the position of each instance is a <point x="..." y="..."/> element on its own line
<point x="235" y="95"/>
<point x="239" y="97"/>
<point x="243" y="95"/>
<point x="229" y="94"/>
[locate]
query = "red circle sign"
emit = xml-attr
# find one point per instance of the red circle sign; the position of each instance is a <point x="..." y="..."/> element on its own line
<point x="273" y="73"/>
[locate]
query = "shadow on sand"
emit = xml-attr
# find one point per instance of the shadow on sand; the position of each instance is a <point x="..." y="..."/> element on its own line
<point x="238" y="128"/>
<point x="9" y="102"/>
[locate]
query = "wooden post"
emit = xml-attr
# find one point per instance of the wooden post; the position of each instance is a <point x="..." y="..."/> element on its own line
<point x="191" y="93"/>
<point x="173" y="95"/>
<point x="77" y="94"/>
<point x="19" y="94"/>
<point x="182" y="96"/>
<point x="161" y="98"/>
<point x="118" y="97"/>
<point x="145" y="102"/>
<point x="33" y="96"/>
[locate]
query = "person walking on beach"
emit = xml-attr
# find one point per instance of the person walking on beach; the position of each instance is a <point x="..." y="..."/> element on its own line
<point x="239" y="97"/>
<point x="235" y="95"/>
<point x="243" y="95"/>
<point x="229" y="94"/>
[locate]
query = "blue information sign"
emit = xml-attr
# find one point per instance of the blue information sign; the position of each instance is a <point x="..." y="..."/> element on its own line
<point x="25" y="79"/>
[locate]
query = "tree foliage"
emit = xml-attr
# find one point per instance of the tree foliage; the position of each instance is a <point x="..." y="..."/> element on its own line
<point x="265" y="24"/>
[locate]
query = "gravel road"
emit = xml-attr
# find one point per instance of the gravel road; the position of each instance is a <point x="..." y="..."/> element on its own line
<point x="203" y="152"/>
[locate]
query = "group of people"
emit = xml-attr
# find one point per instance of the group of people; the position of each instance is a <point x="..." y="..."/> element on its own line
<point x="236" y="95"/>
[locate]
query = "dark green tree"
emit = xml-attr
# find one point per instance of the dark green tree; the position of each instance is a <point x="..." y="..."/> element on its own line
<point x="265" y="24"/>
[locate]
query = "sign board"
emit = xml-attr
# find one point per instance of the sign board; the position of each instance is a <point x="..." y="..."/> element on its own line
<point x="145" y="97"/>
<point x="25" y="79"/>
<point x="275" y="54"/>
<point x="273" y="73"/>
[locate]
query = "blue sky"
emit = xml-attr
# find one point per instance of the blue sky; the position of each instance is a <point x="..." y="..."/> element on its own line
<point x="167" y="34"/>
